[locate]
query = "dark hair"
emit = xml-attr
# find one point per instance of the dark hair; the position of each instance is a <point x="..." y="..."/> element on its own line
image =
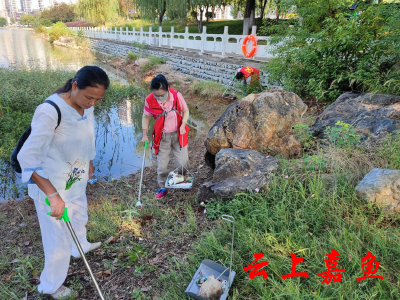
<point x="239" y="75"/>
<point x="159" y="82"/>
<point x="88" y="76"/>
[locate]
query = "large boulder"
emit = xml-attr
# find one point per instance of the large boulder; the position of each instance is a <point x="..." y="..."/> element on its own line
<point x="381" y="186"/>
<point x="237" y="171"/>
<point x="263" y="122"/>
<point x="376" y="114"/>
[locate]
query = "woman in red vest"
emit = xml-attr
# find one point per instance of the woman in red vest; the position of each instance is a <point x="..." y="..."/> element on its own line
<point x="248" y="74"/>
<point x="170" y="133"/>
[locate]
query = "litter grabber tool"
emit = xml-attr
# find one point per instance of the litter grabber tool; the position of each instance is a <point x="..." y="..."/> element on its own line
<point x="229" y="85"/>
<point x="66" y="219"/>
<point x="213" y="280"/>
<point x="229" y="96"/>
<point x="138" y="203"/>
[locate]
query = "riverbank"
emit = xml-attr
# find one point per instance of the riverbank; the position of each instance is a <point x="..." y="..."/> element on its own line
<point x="310" y="208"/>
<point x="145" y="246"/>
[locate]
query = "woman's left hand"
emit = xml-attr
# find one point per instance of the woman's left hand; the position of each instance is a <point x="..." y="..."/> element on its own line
<point x="91" y="169"/>
<point x="182" y="129"/>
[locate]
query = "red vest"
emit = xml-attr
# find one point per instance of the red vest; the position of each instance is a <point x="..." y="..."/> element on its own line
<point x="159" y="115"/>
<point x="250" y="71"/>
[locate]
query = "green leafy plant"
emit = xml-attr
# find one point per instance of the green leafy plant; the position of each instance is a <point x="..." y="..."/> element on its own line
<point x="346" y="53"/>
<point x="58" y="30"/>
<point x="135" y="252"/>
<point x="315" y="162"/>
<point x="342" y="135"/>
<point x="153" y="61"/>
<point x="304" y="135"/>
<point x="131" y="57"/>
<point x="142" y="47"/>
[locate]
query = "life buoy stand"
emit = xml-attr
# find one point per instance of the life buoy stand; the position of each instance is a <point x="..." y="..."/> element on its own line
<point x="253" y="50"/>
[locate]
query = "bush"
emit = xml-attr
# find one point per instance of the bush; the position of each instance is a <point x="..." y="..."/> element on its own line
<point x="131" y="57"/>
<point x="153" y="61"/>
<point x="3" y="22"/>
<point x="58" y="30"/>
<point x="349" y="54"/>
<point x="40" y="29"/>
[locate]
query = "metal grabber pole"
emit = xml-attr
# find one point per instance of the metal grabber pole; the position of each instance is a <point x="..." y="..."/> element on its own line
<point x="138" y="203"/>
<point x="66" y="219"/>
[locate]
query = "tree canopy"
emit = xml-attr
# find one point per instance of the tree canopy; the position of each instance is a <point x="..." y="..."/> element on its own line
<point x="98" y="11"/>
<point x="3" y="22"/>
<point x="60" y="12"/>
<point x="27" y="19"/>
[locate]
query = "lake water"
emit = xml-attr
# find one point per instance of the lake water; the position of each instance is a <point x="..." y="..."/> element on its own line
<point x="118" y="146"/>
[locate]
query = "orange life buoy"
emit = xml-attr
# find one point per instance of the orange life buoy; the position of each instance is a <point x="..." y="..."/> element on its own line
<point x="253" y="50"/>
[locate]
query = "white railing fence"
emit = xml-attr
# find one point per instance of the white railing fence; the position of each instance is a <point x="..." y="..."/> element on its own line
<point x="225" y="44"/>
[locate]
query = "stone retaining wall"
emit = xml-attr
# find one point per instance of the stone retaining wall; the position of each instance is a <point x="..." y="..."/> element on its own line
<point x="202" y="66"/>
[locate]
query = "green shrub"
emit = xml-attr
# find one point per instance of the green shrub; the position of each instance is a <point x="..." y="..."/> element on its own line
<point x="342" y="135"/>
<point x="131" y="57"/>
<point x="304" y="135"/>
<point x="40" y="29"/>
<point x="153" y="61"/>
<point x="58" y="30"/>
<point x="350" y="53"/>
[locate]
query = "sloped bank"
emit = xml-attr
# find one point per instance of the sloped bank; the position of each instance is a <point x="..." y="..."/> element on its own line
<point x="201" y="66"/>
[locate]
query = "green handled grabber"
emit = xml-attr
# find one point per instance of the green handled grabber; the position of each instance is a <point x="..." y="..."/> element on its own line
<point x="138" y="203"/>
<point x="74" y="237"/>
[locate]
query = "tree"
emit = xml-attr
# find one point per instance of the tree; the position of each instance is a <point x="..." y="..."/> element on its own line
<point x="202" y="6"/>
<point x="151" y="9"/>
<point x="249" y="19"/>
<point x="60" y="13"/>
<point x="3" y="22"/>
<point x="98" y="11"/>
<point x="27" y="19"/>
<point x="349" y="53"/>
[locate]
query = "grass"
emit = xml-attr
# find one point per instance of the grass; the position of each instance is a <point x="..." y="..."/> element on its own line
<point x="310" y="208"/>
<point x="207" y="89"/>
<point x="305" y="214"/>
<point x="131" y="57"/>
<point x="153" y="61"/>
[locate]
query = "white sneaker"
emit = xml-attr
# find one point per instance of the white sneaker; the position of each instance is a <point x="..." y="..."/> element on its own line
<point x="61" y="292"/>
<point x="93" y="246"/>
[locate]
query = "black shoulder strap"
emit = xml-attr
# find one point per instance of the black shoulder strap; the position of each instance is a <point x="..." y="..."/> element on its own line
<point x="57" y="109"/>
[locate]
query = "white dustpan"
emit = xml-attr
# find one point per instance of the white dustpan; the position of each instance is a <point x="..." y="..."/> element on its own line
<point x="188" y="182"/>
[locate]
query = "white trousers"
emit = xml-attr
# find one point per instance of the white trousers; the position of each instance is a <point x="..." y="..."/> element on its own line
<point x="58" y="244"/>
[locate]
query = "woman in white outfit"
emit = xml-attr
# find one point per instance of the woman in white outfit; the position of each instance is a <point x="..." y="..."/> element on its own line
<point x="58" y="163"/>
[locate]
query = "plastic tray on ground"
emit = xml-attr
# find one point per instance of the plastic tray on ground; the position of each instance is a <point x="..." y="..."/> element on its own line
<point x="208" y="267"/>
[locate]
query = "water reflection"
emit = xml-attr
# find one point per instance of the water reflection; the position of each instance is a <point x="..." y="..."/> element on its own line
<point x="118" y="140"/>
<point x="21" y="47"/>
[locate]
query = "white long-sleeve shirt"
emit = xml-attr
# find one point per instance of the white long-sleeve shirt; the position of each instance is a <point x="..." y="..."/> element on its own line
<point x="60" y="155"/>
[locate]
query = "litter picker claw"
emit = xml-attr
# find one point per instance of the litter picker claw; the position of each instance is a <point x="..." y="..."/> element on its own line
<point x="66" y="219"/>
<point x="138" y="203"/>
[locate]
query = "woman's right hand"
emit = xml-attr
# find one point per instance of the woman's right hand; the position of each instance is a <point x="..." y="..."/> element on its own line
<point x="57" y="206"/>
<point x="144" y="139"/>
